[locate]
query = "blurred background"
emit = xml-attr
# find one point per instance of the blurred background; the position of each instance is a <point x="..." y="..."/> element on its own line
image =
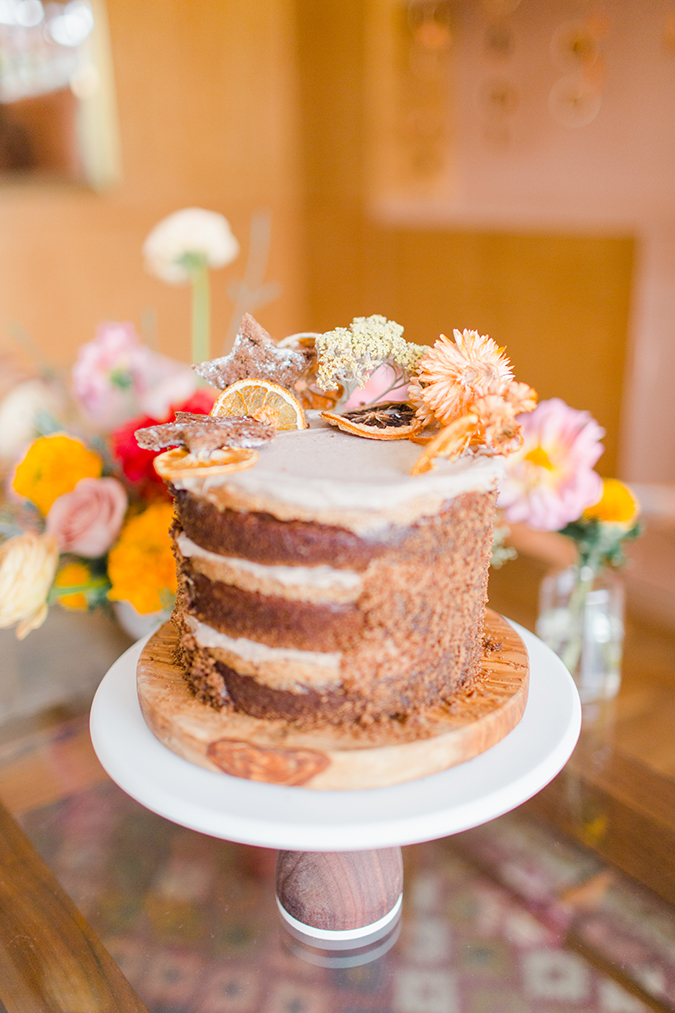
<point x="502" y="165"/>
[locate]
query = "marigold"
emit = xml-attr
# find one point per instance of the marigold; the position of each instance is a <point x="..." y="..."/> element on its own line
<point x="52" y="466"/>
<point x="73" y="575"/>
<point x="141" y="564"/>
<point x="617" y="505"/>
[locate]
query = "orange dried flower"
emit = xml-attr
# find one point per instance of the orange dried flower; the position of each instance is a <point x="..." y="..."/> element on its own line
<point x="453" y="374"/>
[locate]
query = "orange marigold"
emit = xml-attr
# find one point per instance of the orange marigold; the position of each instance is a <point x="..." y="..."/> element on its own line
<point x="73" y="575"/>
<point x="141" y="564"/>
<point x="617" y="505"/>
<point x="52" y="466"/>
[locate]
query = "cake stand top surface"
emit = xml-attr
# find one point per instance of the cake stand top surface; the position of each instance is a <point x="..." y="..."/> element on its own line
<point x="292" y="818"/>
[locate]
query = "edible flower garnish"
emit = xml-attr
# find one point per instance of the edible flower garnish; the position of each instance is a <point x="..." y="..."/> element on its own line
<point x="468" y="387"/>
<point x="348" y="356"/>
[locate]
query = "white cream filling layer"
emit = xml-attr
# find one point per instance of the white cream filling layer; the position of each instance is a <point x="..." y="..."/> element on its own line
<point x="321" y="578"/>
<point x="251" y="650"/>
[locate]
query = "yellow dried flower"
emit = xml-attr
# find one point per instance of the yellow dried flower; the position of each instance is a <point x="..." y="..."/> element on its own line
<point x="348" y="356"/>
<point x="141" y="564"/>
<point x="52" y="466"/>
<point x="73" y="575"/>
<point x="617" y="505"/>
<point x="27" y="566"/>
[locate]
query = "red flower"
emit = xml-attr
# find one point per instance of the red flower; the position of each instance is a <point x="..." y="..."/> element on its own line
<point x="137" y="463"/>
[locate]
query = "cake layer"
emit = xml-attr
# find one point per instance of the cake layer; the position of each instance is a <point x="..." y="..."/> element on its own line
<point x="412" y="637"/>
<point x="276" y="667"/>
<point x="302" y="583"/>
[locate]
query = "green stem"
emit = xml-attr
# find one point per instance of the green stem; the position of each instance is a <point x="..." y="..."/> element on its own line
<point x="576" y="607"/>
<point x="201" y="314"/>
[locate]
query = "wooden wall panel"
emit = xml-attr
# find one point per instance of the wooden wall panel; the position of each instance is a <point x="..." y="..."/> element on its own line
<point x="207" y="114"/>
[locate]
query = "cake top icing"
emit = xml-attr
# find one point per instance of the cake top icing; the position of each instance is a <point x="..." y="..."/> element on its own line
<point x="332" y="477"/>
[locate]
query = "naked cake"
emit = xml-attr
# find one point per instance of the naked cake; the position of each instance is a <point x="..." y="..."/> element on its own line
<point x="331" y="571"/>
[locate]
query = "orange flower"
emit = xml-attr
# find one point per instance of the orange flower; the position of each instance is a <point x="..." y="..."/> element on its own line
<point x="73" y="575"/>
<point x="453" y="374"/>
<point x="617" y="505"/>
<point x="141" y="565"/>
<point x="52" y="466"/>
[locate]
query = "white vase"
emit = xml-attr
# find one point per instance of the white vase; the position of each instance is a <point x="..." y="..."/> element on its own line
<point x="135" y="623"/>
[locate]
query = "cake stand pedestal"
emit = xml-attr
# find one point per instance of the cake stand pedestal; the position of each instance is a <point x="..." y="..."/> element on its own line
<point x="339" y="872"/>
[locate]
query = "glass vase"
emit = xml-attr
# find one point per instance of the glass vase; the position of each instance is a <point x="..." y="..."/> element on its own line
<point x="581" y="618"/>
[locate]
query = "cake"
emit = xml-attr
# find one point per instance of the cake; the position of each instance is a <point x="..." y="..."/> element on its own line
<point x="328" y="580"/>
<point x="327" y="584"/>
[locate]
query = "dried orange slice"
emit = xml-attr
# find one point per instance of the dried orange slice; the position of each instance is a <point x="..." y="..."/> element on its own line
<point x="390" y="420"/>
<point x="262" y="400"/>
<point x="450" y="443"/>
<point x="178" y="463"/>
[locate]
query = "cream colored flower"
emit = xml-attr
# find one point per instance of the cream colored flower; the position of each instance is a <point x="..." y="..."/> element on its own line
<point x="188" y="239"/>
<point x="453" y="374"/>
<point x="27" y="566"/>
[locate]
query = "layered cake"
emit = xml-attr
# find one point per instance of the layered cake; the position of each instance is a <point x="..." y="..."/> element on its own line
<point x="331" y="571"/>
<point x="327" y="584"/>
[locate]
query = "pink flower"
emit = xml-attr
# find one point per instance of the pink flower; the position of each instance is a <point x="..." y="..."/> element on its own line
<point x="116" y="377"/>
<point x="550" y="481"/>
<point x="87" y="520"/>
<point x="378" y="387"/>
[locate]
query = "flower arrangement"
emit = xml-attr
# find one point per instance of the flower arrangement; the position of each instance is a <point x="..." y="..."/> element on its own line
<point x="551" y="485"/>
<point x="87" y="522"/>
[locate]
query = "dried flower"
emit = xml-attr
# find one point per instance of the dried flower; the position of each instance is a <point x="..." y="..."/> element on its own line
<point x="187" y="239"/>
<point x="27" y="566"/>
<point x="52" y="466"/>
<point x="141" y="566"/>
<point x="349" y="356"/>
<point x="550" y="480"/>
<point x="453" y="375"/>
<point x="87" y="520"/>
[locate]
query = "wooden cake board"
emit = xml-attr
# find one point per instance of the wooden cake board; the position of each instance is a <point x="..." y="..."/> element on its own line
<point x="330" y="757"/>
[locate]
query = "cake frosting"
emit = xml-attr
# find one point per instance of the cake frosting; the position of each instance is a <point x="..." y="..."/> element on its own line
<point x="327" y="584"/>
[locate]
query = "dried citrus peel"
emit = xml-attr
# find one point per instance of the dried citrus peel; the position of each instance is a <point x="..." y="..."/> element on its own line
<point x="449" y="443"/>
<point x="178" y="463"/>
<point x="389" y="420"/>
<point x="262" y="400"/>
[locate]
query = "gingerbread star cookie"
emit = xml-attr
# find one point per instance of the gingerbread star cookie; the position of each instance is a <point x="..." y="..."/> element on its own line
<point x="255" y="354"/>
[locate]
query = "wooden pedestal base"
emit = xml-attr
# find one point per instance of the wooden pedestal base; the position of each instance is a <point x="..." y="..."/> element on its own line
<point x="341" y="908"/>
<point x="345" y="757"/>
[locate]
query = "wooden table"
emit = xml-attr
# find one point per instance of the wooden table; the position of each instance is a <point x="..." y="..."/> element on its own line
<point x="616" y="796"/>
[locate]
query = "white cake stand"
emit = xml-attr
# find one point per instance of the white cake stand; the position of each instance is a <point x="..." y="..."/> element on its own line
<point x="371" y="823"/>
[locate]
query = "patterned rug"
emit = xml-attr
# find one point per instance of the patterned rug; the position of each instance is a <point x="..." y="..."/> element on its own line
<point x="507" y="918"/>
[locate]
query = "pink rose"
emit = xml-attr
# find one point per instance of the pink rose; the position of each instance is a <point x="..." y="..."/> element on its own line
<point x="87" y="520"/>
